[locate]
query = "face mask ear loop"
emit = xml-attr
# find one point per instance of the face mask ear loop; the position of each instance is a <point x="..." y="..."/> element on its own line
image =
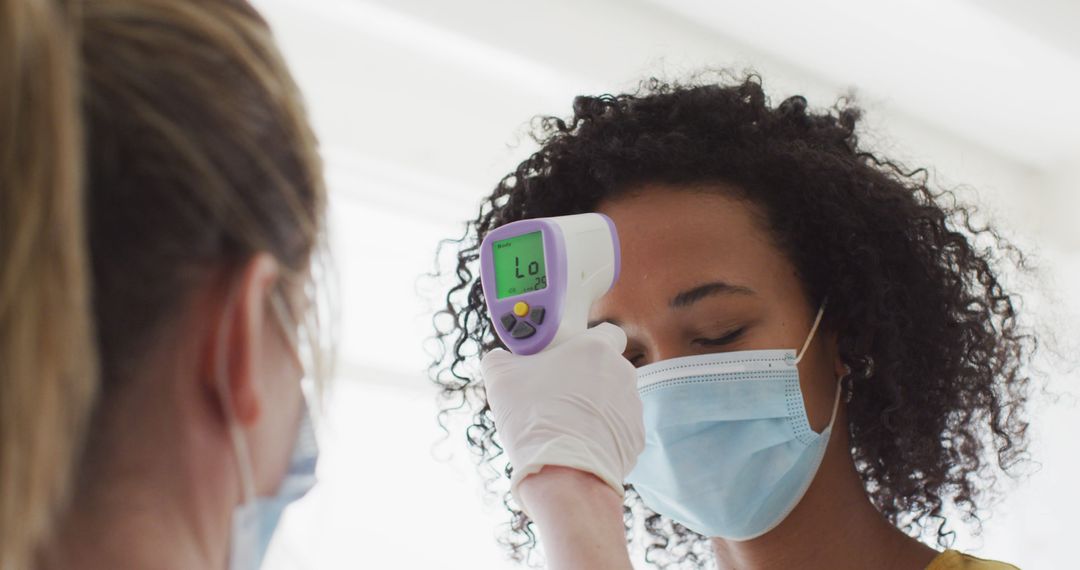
<point x="813" y="329"/>
<point x="836" y="402"/>
<point x="802" y="352"/>
<point x="240" y="448"/>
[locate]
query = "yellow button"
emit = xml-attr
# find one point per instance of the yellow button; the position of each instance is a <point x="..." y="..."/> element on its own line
<point x="521" y="308"/>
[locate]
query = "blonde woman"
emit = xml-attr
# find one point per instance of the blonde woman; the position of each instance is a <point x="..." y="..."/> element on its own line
<point x="161" y="201"/>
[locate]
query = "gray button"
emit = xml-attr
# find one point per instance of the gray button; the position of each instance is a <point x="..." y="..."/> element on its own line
<point x="537" y="315"/>
<point x="522" y="330"/>
<point x="508" y="321"/>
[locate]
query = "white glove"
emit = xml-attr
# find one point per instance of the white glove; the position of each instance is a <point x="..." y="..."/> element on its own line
<point x="575" y="405"/>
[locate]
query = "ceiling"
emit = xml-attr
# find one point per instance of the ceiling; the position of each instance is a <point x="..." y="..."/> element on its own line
<point x="998" y="74"/>
<point x="437" y="95"/>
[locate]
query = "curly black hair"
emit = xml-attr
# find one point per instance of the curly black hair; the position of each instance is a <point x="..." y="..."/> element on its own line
<point x="914" y="286"/>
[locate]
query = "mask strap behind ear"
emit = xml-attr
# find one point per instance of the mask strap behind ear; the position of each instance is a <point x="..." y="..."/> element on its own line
<point x="836" y="402"/>
<point x="813" y="329"/>
<point x="240" y="448"/>
<point x="802" y="352"/>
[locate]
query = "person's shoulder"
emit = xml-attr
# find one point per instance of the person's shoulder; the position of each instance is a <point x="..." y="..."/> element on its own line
<point x="953" y="560"/>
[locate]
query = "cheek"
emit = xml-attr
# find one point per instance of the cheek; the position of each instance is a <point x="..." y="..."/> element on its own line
<point x="819" y="388"/>
<point x="278" y="425"/>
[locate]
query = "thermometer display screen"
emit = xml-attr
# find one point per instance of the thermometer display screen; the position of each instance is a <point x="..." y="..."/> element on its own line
<point x="519" y="265"/>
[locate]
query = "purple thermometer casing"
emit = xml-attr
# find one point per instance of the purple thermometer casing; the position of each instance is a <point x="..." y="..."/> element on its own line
<point x="551" y="298"/>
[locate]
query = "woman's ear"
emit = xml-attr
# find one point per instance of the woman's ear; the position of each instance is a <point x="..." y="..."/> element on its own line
<point x="237" y="339"/>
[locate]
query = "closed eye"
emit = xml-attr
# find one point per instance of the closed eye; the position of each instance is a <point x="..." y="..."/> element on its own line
<point x="721" y="341"/>
<point x="636" y="358"/>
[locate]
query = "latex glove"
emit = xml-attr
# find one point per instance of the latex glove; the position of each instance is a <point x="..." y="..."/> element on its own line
<point x="575" y="405"/>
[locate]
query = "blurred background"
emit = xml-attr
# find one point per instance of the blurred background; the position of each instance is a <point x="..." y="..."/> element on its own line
<point x="422" y="105"/>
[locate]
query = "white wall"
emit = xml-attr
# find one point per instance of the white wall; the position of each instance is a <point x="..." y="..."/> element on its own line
<point x="420" y="106"/>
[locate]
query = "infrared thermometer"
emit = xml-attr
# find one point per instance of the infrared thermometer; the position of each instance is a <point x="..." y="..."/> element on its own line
<point x="541" y="276"/>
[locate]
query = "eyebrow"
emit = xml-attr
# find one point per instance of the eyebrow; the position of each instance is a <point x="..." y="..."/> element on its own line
<point x="691" y="296"/>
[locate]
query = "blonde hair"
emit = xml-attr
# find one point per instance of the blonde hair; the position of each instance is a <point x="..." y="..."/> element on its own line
<point x="47" y="370"/>
<point x="197" y="155"/>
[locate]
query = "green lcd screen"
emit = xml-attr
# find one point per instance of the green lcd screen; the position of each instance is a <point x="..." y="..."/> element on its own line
<point x="519" y="265"/>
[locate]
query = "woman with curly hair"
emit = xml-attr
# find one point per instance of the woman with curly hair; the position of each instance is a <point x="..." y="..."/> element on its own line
<point x="827" y="360"/>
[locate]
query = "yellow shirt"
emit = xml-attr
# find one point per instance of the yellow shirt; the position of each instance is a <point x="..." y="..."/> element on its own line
<point x="953" y="560"/>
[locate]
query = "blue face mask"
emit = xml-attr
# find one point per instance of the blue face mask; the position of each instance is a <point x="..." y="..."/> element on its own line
<point x="729" y="451"/>
<point x="255" y="520"/>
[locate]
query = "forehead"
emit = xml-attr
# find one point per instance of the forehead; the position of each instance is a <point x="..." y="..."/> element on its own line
<point x="674" y="239"/>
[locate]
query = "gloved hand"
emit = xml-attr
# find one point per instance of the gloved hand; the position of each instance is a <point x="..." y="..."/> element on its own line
<point x="575" y="405"/>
